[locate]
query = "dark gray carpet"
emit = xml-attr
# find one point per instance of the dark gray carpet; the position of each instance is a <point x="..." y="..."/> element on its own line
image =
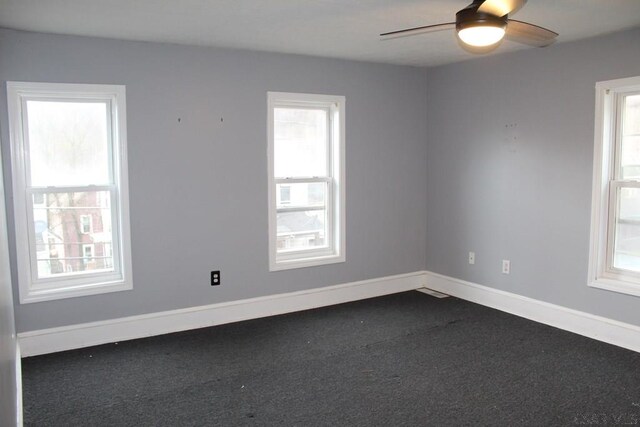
<point x="406" y="359"/>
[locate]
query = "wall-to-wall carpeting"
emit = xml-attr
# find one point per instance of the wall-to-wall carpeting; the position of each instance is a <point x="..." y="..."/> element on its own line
<point x="405" y="359"/>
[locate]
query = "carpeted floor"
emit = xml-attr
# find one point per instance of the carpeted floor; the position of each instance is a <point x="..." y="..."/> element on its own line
<point x="406" y="359"/>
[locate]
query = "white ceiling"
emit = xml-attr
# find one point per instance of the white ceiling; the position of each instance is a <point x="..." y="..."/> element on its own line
<point x="333" y="28"/>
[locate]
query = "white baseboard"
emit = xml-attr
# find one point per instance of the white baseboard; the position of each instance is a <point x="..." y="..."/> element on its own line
<point x="45" y="341"/>
<point x="596" y="327"/>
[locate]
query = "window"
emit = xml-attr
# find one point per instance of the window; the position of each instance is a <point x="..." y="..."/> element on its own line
<point x="107" y="255"/>
<point x="68" y="147"/>
<point x="87" y="254"/>
<point x="615" y="225"/>
<point x="285" y="194"/>
<point x="85" y="224"/>
<point x="306" y="180"/>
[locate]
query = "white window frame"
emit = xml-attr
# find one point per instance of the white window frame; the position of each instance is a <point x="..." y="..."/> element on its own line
<point x="335" y="252"/>
<point x="608" y="120"/>
<point x="32" y="289"/>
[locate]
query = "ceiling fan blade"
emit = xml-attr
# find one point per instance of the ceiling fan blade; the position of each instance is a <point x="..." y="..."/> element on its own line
<point x="501" y="7"/>
<point x="418" y="30"/>
<point x="533" y="35"/>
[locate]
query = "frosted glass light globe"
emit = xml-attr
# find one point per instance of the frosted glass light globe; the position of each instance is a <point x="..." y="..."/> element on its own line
<point x="481" y="35"/>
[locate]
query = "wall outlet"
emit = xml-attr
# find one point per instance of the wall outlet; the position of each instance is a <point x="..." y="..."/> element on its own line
<point x="215" y="278"/>
<point x="472" y="257"/>
<point x="506" y="266"/>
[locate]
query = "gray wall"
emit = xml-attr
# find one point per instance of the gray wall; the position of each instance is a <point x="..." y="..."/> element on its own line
<point x="9" y="363"/>
<point x="527" y="200"/>
<point x="198" y="188"/>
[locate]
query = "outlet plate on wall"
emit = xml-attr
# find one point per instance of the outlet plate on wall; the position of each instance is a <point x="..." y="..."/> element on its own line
<point x="215" y="278"/>
<point x="506" y="266"/>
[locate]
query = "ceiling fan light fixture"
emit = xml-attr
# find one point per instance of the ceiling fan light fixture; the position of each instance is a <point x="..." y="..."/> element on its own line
<point x="479" y="29"/>
<point x="483" y="24"/>
<point x="481" y="35"/>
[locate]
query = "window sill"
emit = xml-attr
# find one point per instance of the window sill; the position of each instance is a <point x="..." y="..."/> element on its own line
<point x="305" y="262"/>
<point x="618" y="286"/>
<point x="49" y="294"/>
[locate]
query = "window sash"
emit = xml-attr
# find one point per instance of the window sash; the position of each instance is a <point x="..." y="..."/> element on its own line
<point x="75" y="277"/>
<point x="57" y="98"/>
<point x="615" y="188"/>
<point x="328" y="141"/>
<point x="618" y="119"/>
<point x="328" y="207"/>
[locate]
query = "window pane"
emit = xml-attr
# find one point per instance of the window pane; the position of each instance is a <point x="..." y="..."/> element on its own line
<point x="301" y="194"/>
<point x="300" y="142"/>
<point x="301" y="230"/>
<point x="626" y="254"/>
<point x="630" y="159"/>
<point x="68" y="143"/>
<point x="61" y="245"/>
<point x="631" y="115"/>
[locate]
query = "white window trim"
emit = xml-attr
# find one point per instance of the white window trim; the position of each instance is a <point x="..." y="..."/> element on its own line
<point x="601" y="274"/>
<point x="89" y="284"/>
<point x="313" y="257"/>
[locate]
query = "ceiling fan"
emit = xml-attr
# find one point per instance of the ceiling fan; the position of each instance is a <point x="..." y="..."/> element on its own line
<point x="484" y="23"/>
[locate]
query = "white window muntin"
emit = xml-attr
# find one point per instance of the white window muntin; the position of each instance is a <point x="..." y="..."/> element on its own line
<point x="334" y="250"/>
<point x="31" y="287"/>
<point x="607" y="183"/>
